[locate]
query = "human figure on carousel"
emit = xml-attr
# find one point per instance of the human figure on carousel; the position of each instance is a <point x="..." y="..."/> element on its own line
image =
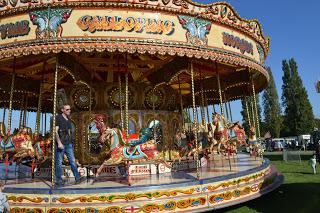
<point x="237" y="136"/>
<point x="23" y="144"/>
<point x="65" y="138"/>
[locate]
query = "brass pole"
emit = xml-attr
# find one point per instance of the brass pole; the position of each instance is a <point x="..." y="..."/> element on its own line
<point x="120" y="102"/>
<point x="197" y="115"/>
<point x="154" y="118"/>
<point x="247" y="109"/>
<point x="38" y="111"/>
<point x="90" y="109"/>
<point x="252" y="112"/>
<point x="256" y="108"/>
<point x="120" y="93"/>
<point x="45" y="123"/>
<point x="53" y="177"/>
<point x="39" y="102"/>
<point x="207" y="109"/>
<point x="127" y="105"/>
<point x="181" y="103"/>
<point x="42" y="122"/>
<point x="195" y="122"/>
<point x="225" y="105"/>
<point x="11" y="94"/>
<point x="203" y="120"/>
<point x="21" y="111"/>
<point x="220" y="92"/>
<point x="25" y="111"/>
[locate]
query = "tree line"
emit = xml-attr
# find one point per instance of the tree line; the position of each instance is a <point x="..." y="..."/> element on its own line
<point x="296" y="116"/>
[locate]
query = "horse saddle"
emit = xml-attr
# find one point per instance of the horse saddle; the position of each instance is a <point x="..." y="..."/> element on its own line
<point x="133" y="152"/>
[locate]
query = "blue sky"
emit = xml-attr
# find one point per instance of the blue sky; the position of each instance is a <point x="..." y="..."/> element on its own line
<point x="294" y="31"/>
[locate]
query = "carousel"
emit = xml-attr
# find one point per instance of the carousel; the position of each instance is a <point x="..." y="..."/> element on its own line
<point x="149" y="83"/>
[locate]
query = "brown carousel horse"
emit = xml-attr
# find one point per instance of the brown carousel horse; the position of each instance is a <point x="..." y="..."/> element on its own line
<point x="254" y="146"/>
<point x="121" y="151"/>
<point x="20" y="145"/>
<point x="237" y="136"/>
<point x="185" y="143"/>
<point x="221" y="133"/>
<point x="218" y="132"/>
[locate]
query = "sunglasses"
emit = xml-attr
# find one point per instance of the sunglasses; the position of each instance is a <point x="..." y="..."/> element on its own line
<point x="67" y="109"/>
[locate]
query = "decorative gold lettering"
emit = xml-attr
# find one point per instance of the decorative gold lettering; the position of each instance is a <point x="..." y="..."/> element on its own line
<point x="236" y="42"/>
<point x="11" y="30"/>
<point x="130" y="24"/>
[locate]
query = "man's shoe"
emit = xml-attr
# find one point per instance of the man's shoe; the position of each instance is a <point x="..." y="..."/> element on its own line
<point x="83" y="178"/>
<point x="59" y="185"/>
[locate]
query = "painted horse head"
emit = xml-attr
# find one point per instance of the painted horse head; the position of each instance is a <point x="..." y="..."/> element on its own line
<point x="100" y="121"/>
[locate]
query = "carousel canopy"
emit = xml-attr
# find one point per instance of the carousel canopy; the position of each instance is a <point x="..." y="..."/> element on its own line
<point x="94" y="43"/>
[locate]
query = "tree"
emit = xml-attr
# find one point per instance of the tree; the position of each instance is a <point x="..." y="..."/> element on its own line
<point x="271" y="108"/>
<point x="317" y="122"/>
<point x="245" y="118"/>
<point x="298" y="114"/>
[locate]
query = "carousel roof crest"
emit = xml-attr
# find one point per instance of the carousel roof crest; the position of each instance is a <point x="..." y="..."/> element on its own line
<point x="220" y="12"/>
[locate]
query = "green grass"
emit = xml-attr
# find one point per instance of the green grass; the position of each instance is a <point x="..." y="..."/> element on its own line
<point x="300" y="191"/>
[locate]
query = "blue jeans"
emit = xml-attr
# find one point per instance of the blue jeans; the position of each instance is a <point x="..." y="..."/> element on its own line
<point x="68" y="150"/>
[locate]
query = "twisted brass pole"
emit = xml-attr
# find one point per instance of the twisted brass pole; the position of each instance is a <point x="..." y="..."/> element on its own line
<point x="90" y="109"/>
<point x="127" y="106"/>
<point x="38" y="111"/>
<point x="181" y="103"/>
<point x="11" y="94"/>
<point x="25" y="111"/>
<point x="256" y="108"/>
<point x="39" y="102"/>
<point x="203" y="120"/>
<point x="21" y="111"/>
<point x="247" y="109"/>
<point x="253" y="113"/>
<point x="120" y="102"/>
<point x="194" y="120"/>
<point x="220" y="92"/>
<point x="53" y="177"/>
<point x="207" y="109"/>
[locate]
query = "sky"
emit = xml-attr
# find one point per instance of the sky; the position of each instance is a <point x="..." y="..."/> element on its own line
<point x="294" y="31"/>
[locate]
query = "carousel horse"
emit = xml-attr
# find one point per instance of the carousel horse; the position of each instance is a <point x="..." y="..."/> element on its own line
<point x="6" y="144"/>
<point x="218" y="132"/>
<point x="185" y="143"/>
<point x="19" y="146"/>
<point x="254" y="146"/>
<point x="236" y="135"/>
<point x="120" y="151"/>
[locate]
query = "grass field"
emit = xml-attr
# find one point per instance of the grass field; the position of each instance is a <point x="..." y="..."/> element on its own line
<point x="300" y="191"/>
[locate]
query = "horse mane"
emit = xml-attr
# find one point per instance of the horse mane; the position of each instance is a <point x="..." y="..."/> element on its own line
<point x="119" y="134"/>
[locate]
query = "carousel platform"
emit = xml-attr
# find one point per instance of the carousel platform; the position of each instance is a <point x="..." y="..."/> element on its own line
<point x="223" y="183"/>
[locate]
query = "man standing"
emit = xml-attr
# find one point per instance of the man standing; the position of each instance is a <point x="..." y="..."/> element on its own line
<point x="65" y="139"/>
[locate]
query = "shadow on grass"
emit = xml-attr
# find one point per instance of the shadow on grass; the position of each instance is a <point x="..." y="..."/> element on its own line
<point x="295" y="197"/>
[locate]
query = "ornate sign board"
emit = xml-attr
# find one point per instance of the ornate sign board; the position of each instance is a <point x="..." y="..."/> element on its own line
<point x="12" y="30"/>
<point x="160" y="28"/>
